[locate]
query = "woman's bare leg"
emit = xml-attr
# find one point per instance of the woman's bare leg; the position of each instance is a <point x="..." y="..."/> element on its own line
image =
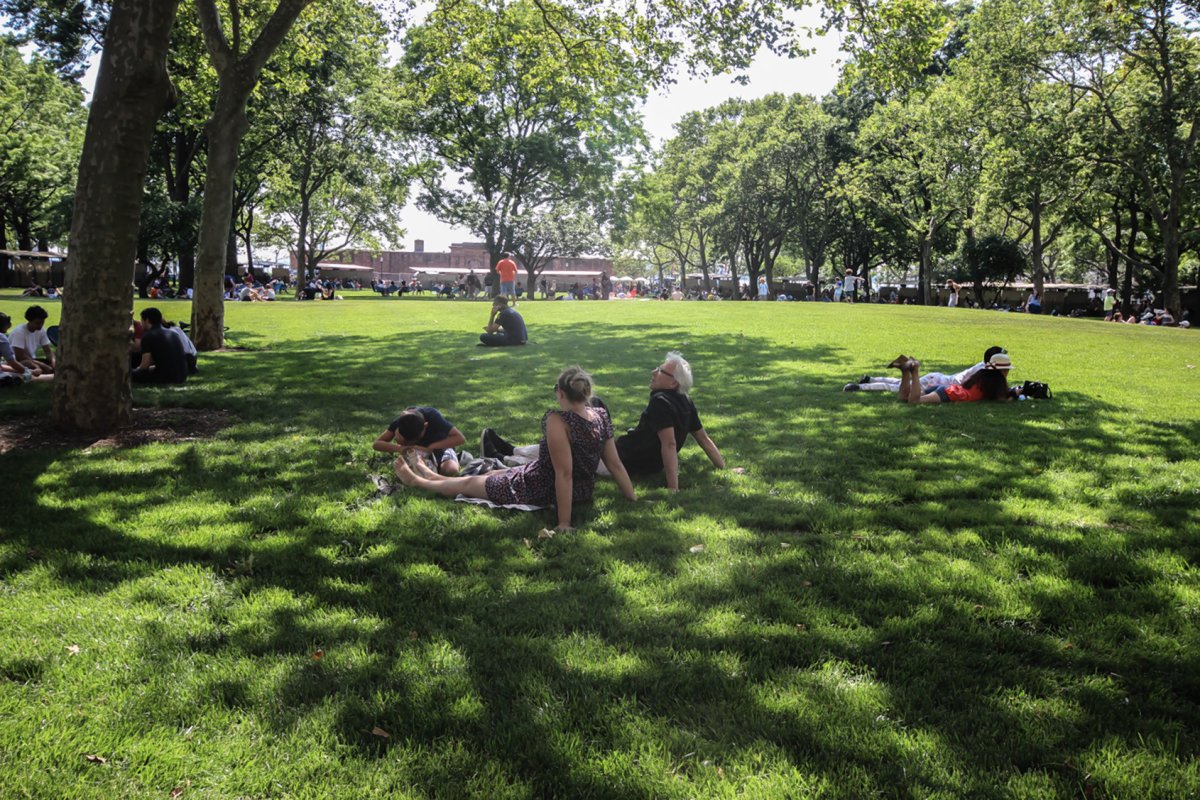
<point x="430" y="481"/>
<point x="905" y="382"/>
<point x="913" y="374"/>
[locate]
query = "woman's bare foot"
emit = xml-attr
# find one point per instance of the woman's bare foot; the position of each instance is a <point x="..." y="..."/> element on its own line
<point x="406" y="475"/>
<point x="423" y="468"/>
<point x="898" y="362"/>
<point x="912" y="365"/>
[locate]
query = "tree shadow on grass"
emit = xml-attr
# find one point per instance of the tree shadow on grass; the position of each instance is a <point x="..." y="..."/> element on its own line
<point x="931" y="598"/>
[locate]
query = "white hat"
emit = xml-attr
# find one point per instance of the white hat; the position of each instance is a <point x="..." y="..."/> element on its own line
<point x="1000" y="361"/>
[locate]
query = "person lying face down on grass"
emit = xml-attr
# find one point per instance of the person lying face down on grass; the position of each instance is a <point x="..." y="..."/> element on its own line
<point x="423" y="429"/>
<point x="654" y="445"/>
<point x="575" y="438"/>
<point x="930" y="380"/>
<point x="989" y="383"/>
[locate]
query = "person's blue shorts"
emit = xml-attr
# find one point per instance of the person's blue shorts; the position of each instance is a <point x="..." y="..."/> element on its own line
<point x="943" y="394"/>
<point x="509" y="288"/>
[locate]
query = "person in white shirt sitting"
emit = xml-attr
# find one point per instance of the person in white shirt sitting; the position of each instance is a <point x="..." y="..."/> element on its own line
<point x="31" y="337"/>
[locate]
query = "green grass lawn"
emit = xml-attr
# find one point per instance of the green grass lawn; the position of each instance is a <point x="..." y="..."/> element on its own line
<point x="891" y="601"/>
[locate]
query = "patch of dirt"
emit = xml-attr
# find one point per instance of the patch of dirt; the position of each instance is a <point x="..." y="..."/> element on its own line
<point x="148" y="425"/>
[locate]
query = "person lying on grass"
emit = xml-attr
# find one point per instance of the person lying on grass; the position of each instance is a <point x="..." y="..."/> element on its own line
<point x="654" y="445"/>
<point x="989" y="383"/>
<point x="576" y="438"/>
<point x="929" y="381"/>
<point x="423" y="429"/>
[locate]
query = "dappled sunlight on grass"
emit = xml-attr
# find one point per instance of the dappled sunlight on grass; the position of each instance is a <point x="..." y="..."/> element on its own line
<point x="891" y="601"/>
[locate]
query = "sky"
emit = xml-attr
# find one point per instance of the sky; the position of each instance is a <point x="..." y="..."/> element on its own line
<point x="816" y="75"/>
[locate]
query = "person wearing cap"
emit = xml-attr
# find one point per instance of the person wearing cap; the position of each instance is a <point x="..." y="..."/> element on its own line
<point x="1110" y="304"/>
<point x="930" y="380"/>
<point x="989" y="383"/>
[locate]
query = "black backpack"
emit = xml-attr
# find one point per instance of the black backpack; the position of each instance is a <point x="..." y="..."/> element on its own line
<point x="1035" y="390"/>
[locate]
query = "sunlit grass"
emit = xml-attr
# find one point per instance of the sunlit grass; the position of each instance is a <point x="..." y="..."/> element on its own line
<point x="985" y="601"/>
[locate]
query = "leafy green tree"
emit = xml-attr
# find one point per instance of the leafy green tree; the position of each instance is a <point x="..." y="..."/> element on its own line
<point x="1033" y="175"/>
<point x="173" y="195"/>
<point x="992" y="260"/>
<point x="239" y="61"/>
<point x="918" y="166"/>
<point x="566" y="231"/>
<point x="66" y="32"/>
<point x="337" y="174"/>
<point x="1137" y="66"/>
<point x="41" y="131"/>
<point x="524" y="122"/>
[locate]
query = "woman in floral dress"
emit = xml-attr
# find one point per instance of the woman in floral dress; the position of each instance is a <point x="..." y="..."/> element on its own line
<point x="574" y="440"/>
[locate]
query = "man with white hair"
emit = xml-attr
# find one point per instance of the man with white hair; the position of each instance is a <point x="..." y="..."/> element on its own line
<point x="654" y="444"/>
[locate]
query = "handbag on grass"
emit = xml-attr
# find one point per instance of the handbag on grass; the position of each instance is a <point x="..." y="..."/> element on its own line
<point x="1035" y="390"/>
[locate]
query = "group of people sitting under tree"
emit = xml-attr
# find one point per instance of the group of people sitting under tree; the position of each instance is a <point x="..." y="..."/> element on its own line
<point x="577" y="445"/>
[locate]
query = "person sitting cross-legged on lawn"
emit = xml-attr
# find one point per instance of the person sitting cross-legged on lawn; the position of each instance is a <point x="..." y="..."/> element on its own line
<point x="930" y="380"/>
<point x="505" y="328"/>
<point x="10" y="367"/>
<point x="30" y="338"/>
<point x="989" y="383"/>
<point x="576" y="438"/>
<point x="189" y="349"/>
<point x="423" y="429"/>
<point x="163" y="357"/>
<point x="654" y="445"/>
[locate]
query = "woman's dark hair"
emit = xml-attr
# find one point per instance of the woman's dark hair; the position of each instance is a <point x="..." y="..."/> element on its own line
<point x="993" y="381"/>
<point x="575" y="384"/>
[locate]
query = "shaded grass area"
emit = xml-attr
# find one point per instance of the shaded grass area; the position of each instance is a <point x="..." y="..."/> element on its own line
<point x="988" y="601"/>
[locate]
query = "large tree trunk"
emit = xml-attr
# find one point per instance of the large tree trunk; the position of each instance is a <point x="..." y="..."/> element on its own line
<point x="238" y="74"/>
<point x="91" y="390"/>
<point x="225" y="131"/>
<point x="1037" y="249"/>
<point x="925" y="274"/>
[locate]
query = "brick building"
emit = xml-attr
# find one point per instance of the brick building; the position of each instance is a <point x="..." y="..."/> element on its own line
<point x="463" y="257"/>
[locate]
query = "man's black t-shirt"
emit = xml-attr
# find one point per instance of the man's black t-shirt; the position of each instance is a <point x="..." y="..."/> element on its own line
<point x="513" y="325"/>
<point x="166" y="351"/>
<point x="438" y="427"/>
<point x="640" y="449"/>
